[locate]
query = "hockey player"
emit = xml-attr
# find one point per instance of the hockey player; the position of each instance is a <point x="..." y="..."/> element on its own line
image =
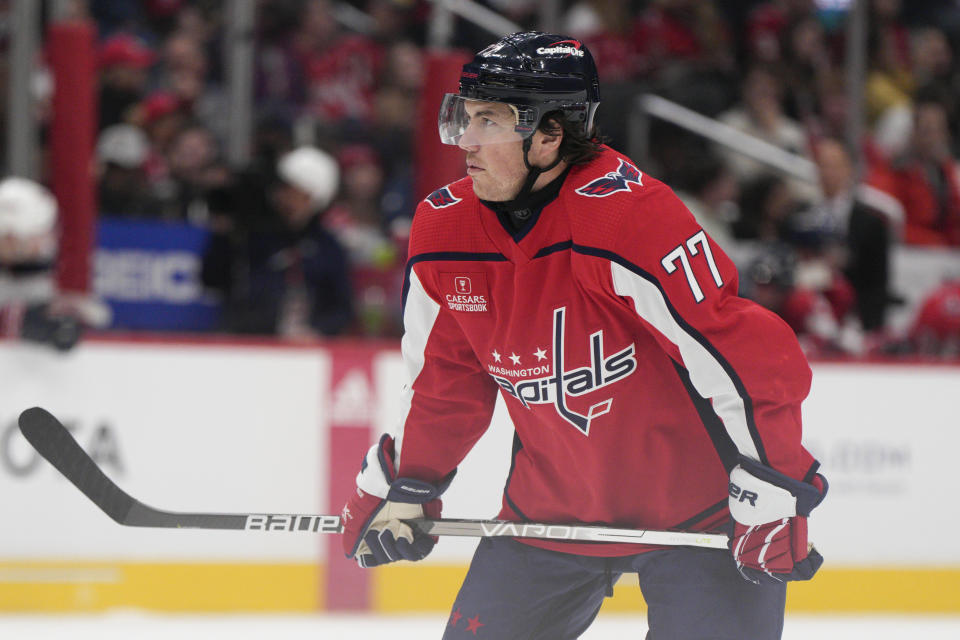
<point x="31" y="307"/>
<point x="644" y="392"/>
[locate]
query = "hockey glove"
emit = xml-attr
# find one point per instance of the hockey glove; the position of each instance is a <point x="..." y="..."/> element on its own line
<point x="770" y="510"/>
<point x="373" y="529"/>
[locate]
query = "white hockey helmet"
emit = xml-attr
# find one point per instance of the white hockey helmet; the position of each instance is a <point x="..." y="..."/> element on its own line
<point x="27" y="209"/>
<point x="313" y="171"/>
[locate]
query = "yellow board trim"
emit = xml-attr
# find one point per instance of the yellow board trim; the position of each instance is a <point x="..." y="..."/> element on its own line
<point x="97" y="586"/>
<point x="405" y="587"/>
<point x="420" y="588"/>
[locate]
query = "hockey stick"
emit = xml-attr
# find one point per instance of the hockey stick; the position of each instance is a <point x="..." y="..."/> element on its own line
<point x="52" y="440"/>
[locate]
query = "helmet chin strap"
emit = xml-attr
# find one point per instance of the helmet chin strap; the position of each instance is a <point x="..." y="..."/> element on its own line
<point x="521" y="202"/>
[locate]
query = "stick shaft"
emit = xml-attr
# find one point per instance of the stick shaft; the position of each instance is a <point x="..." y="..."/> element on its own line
<point x="54" y="442"/>
<point x="572" y="532"/>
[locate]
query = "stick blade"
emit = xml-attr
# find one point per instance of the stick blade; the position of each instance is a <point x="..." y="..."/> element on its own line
<point x="52" y="441"/>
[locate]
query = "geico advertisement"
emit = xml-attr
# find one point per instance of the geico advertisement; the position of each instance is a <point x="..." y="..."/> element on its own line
<point x="180" y="428"/>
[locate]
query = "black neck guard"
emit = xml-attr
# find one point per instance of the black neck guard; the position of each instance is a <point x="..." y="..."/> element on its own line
<point x="517" y="212"/>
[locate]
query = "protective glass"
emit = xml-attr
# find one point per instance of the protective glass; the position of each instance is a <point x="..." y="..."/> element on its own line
<point x="477" y="122"/>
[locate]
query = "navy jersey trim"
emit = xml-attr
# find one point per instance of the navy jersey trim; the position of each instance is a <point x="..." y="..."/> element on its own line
<point x="696" y="335"/>
<point x="517" y="446"/>
<point x="811" y="472"/>
<point x="554" y="248"/>
<point x="445" y="256"/>
<point x="726" y="449"/>
<point x="703" y="515"/>
<point x="523" y="231"/>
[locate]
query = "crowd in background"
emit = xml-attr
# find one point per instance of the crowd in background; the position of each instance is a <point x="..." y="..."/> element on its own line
<point x="292" y="257"/>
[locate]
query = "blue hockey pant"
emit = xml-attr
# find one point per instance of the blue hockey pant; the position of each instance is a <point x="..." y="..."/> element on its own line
<point x="517" y="592"/>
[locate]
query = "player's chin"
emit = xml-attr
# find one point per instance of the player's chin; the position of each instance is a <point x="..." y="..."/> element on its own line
<point x="480" y="188"/>
<point x="485" y="190"/>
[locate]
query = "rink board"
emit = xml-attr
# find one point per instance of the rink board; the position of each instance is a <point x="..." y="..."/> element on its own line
<point x="209" y="425"/>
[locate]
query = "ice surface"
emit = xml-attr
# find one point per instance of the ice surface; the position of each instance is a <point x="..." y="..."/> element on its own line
<point x="144" y="626"/>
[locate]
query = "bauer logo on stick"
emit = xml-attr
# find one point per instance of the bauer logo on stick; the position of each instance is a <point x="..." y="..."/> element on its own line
<point x="283" y="522"/>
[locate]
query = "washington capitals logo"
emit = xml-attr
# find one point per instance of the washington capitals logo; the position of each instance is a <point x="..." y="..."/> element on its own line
<point x="442" y="198"/>
<point x="560" y="383"/>
<point x="619" y="180"/>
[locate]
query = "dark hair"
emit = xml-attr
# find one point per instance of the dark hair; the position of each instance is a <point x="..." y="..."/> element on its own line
<point x="576" y="146"/>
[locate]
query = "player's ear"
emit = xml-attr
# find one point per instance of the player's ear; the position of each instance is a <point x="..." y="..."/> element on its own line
<point x="552" y="132"/>
<point x="549" y="137"/>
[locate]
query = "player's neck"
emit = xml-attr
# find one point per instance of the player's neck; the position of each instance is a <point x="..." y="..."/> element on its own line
<point x="516" y="213"/>
<point x="548" y="177"/>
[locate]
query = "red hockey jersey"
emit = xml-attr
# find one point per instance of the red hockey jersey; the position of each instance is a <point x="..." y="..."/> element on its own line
<point x="610" y="324"/>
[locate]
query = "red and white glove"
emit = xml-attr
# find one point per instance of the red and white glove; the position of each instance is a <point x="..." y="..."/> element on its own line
<point x="374" y="531"/>
<point x="770" y="510"/>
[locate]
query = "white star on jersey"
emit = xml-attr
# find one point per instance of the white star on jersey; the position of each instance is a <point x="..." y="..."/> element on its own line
<point x="541" y="354"/>
<point x="515" y="358"/>
<point x="496" y="356"/>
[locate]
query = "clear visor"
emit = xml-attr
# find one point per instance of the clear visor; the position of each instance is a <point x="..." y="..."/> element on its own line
<point x="468" y="122"/>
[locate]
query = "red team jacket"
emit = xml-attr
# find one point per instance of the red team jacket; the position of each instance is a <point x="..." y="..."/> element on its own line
<point x="632" y="372"/>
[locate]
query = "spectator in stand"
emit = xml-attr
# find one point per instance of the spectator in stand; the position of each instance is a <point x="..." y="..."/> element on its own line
<point x="684" y="48"/>
<point x="890" y="82"/>
<point x="801" y="289"/>
<point x="279" y="82"/>
<point x="355" y="217"/>
<point x="832" y="103"/>
<point x="674" y="37"/>
<point x="760" y="114"/>
<point x="124" y="63"/>
<point x="186" y="76"/>
<point x="184" y="68"/>
<point x="183" y="53"/>
<point x="936" y="328"/>
<point x="393" y="20"/>
<point x="767" y="25"/>
<point x="161" y="117"/>
<point x="290" y="276"/>
<point x="711" y="192"/>
<point x="122" y="185"/>
<point x="926" y="179"/>
<point x="197" y="20"/>
<point x="806" y="62"/>
<point x="357" y="222"/>
<point x="195" y="170"/>
<point x="932" y="57"/>
<point x="934" y="66"/>
<point x="605" y="27"/>
<point x="391" y="135"/>
<point x="342" y="69"/>
<point x="856" y="238"/>
<point x="766" y="203"/>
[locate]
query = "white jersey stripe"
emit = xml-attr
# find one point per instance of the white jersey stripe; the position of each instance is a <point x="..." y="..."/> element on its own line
<point x="706" y="373"/>
<point x="420" y="312"/>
